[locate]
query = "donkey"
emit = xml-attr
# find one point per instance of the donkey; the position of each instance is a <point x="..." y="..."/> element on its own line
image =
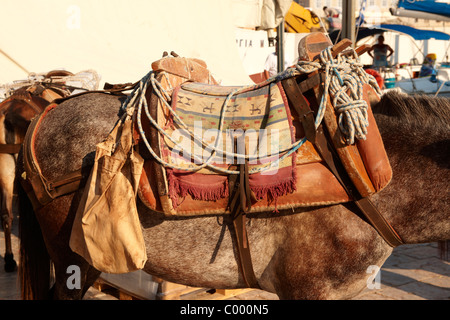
<point x="319" y="252"/>
<point x="16" y="112"/>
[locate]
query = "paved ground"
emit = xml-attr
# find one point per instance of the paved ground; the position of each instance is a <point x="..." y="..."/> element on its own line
<point x="412" y="272"/>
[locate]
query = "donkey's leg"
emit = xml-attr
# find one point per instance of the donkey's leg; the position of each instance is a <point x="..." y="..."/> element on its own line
<point x="73" y="275"/>
<point x="10" y="263"/>
<point x="7" y="167"/>
<point x="91" y="277"/>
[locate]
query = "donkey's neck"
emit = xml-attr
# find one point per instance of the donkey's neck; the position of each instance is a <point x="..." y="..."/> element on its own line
<point x="416" y="202"/>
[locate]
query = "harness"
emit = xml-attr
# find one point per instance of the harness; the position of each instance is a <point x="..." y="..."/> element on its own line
<point x="340" y="80"/>
<point x="28" y="97"/>
<point x="333" y="73"/>
<point x="39" y="89"/>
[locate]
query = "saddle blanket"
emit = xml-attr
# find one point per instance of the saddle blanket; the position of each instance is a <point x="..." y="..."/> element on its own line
<point x="254" y="122"/>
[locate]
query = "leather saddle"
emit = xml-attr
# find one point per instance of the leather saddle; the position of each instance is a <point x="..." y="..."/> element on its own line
<point x="323" y="170"/>
<point x="304" y="179"/>
<point x="307" y="180"/>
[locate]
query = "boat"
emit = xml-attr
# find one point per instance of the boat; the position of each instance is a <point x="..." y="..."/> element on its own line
<point x="438" y="84"/>
<point x="423" y="9"/>
<point x="406" y="76"/>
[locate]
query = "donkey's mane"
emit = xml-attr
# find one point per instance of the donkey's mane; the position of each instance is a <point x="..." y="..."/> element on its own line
<point x="415" y="109"/>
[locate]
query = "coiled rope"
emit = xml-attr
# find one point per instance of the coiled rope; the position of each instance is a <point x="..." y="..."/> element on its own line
<point x="344" y="79"/>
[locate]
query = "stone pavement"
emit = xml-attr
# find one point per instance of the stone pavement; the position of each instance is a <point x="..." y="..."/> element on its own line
<point x="412" y="272"/>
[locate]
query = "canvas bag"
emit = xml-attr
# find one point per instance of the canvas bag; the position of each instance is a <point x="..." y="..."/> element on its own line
<point x="106" y="231"/>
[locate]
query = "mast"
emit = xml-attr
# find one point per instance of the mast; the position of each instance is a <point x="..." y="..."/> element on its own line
<point x="280" y="46"/>
<point x="348" y="20"/>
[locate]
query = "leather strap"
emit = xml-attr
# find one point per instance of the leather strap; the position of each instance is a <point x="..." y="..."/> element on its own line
<point x="65" y="184"/>
<point x="318" y="139"/>
<point x="116" y="89"/>
<point x="379" y="222"/>
<point x="240" y="203"/>
<point x="243" y="248"/>
<point x="27" y="99"/>
<point x="10" y="148"/>
<point x="300" y="104"/>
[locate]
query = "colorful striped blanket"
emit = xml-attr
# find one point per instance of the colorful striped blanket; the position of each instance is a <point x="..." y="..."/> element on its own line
<point x="256" y="123"/>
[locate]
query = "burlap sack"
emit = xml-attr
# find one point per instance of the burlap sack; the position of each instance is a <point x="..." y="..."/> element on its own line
<point x="106" y="231"/>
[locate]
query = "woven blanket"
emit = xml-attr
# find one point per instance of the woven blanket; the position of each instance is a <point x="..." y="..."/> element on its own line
<point x="255" y="122"/>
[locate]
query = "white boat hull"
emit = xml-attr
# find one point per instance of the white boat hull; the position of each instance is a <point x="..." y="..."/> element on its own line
<point x="424" y="85"/>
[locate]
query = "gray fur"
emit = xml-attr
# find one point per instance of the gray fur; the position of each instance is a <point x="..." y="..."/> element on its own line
<point x="81" y="123"/>
<point x="312" y="253"/>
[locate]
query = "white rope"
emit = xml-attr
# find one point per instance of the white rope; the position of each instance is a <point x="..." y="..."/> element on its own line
<point x="344" y="79"/>
<point x="86" y="80"/>
<point x="142" y="104"/>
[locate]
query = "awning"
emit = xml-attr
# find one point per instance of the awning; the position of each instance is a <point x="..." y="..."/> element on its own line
<point x="417" y="34"/>
<point x="425" y="9"/>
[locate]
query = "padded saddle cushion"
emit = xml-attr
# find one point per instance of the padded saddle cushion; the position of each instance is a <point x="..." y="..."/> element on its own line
<point x="262" y="115"/>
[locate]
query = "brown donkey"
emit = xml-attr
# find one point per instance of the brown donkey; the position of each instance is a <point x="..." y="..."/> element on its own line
<point x="27" y="100"/>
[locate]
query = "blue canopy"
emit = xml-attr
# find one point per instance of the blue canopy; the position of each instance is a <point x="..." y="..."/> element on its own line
<point x="417" y="34"/>
<point x="438" y="10"/>
<point x="428" y="6"/>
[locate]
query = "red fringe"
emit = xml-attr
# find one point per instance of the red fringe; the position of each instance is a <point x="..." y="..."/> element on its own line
<point x="179" y="189"/>
<point x="274" y="191"/>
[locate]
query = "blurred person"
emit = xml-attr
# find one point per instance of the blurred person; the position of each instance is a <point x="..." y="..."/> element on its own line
<point x="381" y="53"/>
<point x="271" y="64"/>
<point x="427" y="68"/>
<point x="330" y="12"/>
<point x="332" y="18"/>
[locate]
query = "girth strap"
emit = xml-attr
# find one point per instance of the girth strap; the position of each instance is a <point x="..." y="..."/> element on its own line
<point x="240" y="202"/>
<point x="318" y="139"/>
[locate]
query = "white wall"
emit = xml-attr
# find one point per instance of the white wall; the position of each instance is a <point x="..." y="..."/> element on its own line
<point x="117" y="38"/>
<point x="253" y="48"/>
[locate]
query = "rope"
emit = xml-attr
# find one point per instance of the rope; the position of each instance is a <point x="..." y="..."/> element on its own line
<point x="164" y="96"/>
<point x="87" y="80"/>
<point x="351" y="107"/>
<point x="14" y="61"/>
<point x="344" y="79"/>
